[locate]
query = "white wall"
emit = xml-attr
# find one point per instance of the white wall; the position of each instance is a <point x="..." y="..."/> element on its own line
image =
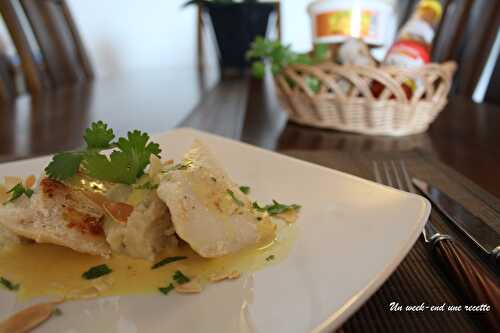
<point x="126" y="35"/>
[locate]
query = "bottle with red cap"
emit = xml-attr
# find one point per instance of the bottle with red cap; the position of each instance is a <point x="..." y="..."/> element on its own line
<point x="413" y="45"/>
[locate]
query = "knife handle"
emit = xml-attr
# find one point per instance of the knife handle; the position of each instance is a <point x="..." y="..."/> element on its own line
<point x="473" y="280"/>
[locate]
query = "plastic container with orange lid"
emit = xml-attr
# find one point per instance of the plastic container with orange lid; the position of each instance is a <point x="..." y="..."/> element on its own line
<point x="334" y="21"/>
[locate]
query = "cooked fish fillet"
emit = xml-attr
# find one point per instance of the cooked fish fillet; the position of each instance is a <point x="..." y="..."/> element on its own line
<point x="58" y="215"/>
<point x="147" y="231"/>
<point x="207" y="209"/>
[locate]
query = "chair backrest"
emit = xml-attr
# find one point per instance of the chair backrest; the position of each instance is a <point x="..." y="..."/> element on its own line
<point x="466" y="35"/>
<point x="7" y="82"/>
<point x="62" y="59"/>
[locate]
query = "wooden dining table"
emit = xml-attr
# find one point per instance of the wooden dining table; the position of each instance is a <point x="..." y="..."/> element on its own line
<point x="465" y="137"/>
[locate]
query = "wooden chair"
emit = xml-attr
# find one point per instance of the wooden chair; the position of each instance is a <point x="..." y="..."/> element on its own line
<point x="466" y="35"/>
<point x="62" y="58"/>
<point x="8" y="89"/>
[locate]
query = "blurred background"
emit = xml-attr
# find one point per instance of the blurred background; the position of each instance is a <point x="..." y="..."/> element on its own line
<point x="124" y="36"/>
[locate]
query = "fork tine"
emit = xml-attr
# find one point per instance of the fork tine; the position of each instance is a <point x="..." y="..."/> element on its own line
<point x="396" y="175"/>
<point x="406" y="177"/>
<point x="376" y="172"/>
<point x="387" y="174"/>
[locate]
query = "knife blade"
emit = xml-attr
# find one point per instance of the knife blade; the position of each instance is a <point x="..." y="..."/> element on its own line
<point x="485" y="237"/>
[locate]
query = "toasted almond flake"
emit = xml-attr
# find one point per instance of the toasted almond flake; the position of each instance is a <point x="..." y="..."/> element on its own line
<point x="290" y="216"/>
<point x="85" y="293"/>
<point x="192" y="287"/>
<point x="119" y="211"/>
<point x="103" y="283"/>
<point x="217" y="277"/>
<point x="155" y="165"/>
<point x="29" y="318"/>
<point x="234" y="275"/>
<point x="11" y="181"/>
<point x="29" y="182"/>
<point x="4" y="196"/>
<point x="96" y="198"/>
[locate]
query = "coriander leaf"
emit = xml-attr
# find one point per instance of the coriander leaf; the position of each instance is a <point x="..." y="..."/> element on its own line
<point x="181" y="166"/>
<point x="166" y="289"/>
<point x="235" y="199"/>
<point x="8" y="284"/>
<point x="167" y="260"/>
<point x="256" y="206"/>
<point x="276" y="208"/>
<point x="147" y="186"/>
<point x="138" y="150"/>
<point x="98" y="136"/>
<point x="64" y="165"/>
<point x="180" y="278"/>
<point x="18" y="191"/>
<point x="271" y="257"/>
<point x="96" y="271"/>
<point x="245" y="189"/>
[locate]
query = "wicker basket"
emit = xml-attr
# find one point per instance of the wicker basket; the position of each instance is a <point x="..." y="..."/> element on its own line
<point x="345" y="101"/>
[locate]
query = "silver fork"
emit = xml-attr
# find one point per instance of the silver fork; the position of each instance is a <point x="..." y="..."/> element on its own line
<point x="477" y="284"/>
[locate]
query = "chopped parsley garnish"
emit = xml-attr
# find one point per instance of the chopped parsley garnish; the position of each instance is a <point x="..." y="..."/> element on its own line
<point x="126" y="164"/>
<point x="18" y="191"/>
<point x="147" y="186"/>
<point x="235" y="199"/>
<point x="57" y="312"/>
<point x="181" y="166"/>
<point x="180" y="278"/>
<point x="8" y="284"/>
<point x="96" y="271"/>
<point x="167" y="260"/>
<point x="271" y="257"/>
<point x="245" y="189"/>
<point x="167" y="289"/>
<point x="276" y="208"/>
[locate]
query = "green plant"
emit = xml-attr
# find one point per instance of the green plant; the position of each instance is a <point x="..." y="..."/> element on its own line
<point x="279" y="56"/>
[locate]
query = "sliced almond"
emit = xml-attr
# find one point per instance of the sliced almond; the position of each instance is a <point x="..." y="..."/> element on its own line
<point x="119" y="211"/>
<point x="192" y="287"/>
<point x="289" y="216"/>
<point x="155" y="165"/>
<point x="217" y="277"/>
<point x="85" y="293"/>
<point x="4" y="196"/>
<point x="103" y="283"/>
<point x="168" y="162"/>
<point x="29" y="182"/>
<point x="11" y="181"/>
<point x="29" y="318"/>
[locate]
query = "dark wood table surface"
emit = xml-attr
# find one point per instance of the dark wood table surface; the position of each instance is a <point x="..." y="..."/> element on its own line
<point x="466" y="136"/>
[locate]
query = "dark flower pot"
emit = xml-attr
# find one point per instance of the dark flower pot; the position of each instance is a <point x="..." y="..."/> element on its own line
<point x="236" y="26"/>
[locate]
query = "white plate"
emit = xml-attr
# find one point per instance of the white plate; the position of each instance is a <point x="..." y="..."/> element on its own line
<point x="352" y="235"/>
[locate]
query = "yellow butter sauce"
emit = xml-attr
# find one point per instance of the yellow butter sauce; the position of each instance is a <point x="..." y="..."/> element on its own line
<point x="54" y="271"/>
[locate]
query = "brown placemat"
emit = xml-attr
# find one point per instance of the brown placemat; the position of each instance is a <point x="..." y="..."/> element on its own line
<point x="418" y="279"/>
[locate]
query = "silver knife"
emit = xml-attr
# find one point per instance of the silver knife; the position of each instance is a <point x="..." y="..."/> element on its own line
<point x="477" y="230"/>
